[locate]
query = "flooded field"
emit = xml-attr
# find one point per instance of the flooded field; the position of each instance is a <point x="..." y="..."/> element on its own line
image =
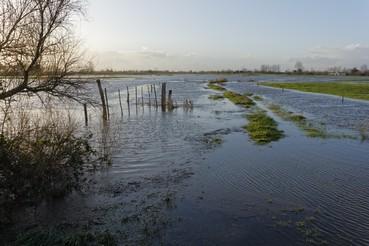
<point x="193" y="176"/>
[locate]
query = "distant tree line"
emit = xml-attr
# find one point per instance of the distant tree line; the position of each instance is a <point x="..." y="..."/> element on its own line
<point x="299" y="68"/>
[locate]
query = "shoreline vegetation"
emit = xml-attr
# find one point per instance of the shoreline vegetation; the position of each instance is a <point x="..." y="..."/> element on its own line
<point x="352" y="90"/>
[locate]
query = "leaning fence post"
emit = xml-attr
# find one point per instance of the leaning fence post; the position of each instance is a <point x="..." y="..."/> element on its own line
<point x="107" y="103"/>
<point x="120" y="103"/>
<point x="86" y="115"/>
<point x="101" y="92"/>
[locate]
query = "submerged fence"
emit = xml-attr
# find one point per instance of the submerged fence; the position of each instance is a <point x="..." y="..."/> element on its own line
<point x="147" y="96"/>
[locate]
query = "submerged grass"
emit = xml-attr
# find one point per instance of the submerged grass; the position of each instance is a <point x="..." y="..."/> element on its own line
<point x="239" y="99"/>
<point x="216" y="97"/>
<point x="353" y="90"/>
<point x="262" y="128"/>
<point x="300" y="121"/>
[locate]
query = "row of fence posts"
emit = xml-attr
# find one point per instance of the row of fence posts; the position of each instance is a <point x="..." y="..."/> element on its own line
<point x="151" y="89"/>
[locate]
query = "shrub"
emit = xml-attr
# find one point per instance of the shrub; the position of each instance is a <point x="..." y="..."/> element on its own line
<point x="41" y="160"/>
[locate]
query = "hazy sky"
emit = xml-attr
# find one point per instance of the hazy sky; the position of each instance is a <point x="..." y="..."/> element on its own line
<point x="226" y="34"/>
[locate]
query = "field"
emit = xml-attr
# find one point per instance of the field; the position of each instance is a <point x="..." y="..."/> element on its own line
<point x="352" y="90"/>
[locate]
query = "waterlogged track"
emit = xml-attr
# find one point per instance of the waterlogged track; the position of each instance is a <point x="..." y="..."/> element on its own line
<point x="170" y="183"/>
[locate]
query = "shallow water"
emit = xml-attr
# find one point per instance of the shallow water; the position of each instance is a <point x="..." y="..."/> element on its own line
<point x="169" y="184"/>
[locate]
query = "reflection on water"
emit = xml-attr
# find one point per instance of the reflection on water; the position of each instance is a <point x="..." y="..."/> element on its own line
<point x="167" y="185"/>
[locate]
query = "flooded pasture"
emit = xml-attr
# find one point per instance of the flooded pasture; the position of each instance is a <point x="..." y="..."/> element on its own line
<point x="193" y="176"/>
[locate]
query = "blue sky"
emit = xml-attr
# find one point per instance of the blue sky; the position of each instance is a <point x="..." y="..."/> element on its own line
<point x="232" y="34"/>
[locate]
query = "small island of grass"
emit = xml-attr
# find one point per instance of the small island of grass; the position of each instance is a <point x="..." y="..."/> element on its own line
<point x="239" y="99"/>
<point x="262" y="129"/>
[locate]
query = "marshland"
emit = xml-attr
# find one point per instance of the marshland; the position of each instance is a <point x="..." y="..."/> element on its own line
<point x="93" y="156"/>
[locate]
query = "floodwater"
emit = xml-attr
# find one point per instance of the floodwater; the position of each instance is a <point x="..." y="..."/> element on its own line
<point x="170" y="183"/>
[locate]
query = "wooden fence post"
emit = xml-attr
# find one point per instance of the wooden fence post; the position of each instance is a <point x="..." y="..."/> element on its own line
<point x="107" y="103"/>
<point x="163" y="96"/>
<point x="129" y="109"/>
<point x="170" y="100"/>
<point x="101" y="92"/>
<point x="120" y="103"/>
<point x="156" y="99"/>
<point x="148" y="90"/>
<point x="86" y="115"/>
<point x="142" y="97"/>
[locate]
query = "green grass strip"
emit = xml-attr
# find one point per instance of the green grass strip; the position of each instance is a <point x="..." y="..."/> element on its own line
<point x="262" y="129"/>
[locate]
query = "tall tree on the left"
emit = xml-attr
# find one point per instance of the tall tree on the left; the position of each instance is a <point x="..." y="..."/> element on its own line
<point x="38" y="49"/>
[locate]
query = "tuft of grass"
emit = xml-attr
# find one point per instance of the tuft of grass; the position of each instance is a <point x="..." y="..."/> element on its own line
<point x="218" y="81"/>
<point x="262" y="128"/>
<point x="216" y="97"/>
<point x="239" y="99"/>
<point x="216" y="87"/>
<point x="353" y="90"/>
<point x="300" y="121"/>
<point x="257" y="98"/>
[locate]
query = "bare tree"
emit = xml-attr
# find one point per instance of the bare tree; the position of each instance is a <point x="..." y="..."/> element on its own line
<point x="38" y="49"/>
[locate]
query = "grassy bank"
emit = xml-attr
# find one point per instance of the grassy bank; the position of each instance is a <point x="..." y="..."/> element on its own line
<point x="347" y="89"/>
<point x="239" y="99"/>
<point x="262" y="128"/>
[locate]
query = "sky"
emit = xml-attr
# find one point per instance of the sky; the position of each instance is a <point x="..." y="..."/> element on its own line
<point x="225" y="34"/>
